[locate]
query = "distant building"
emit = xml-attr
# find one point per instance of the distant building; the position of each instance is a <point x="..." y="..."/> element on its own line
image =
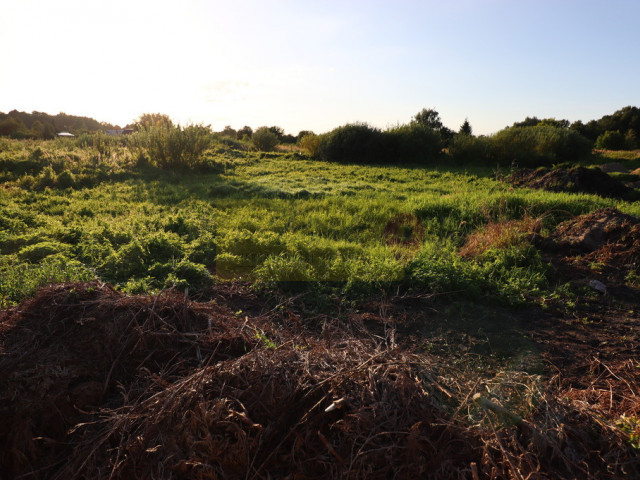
<point x="65" y="134"/>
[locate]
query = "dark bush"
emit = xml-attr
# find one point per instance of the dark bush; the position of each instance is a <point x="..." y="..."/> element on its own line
<point x="611" y="140"/>
<point x="264" y="139"/>
<point x="412" y="143"/>
<point x="468" y="149"/>
<point x="356" y="142"/>
<point x="35" y="253"/>
<point x="189" y="275"/>
<point x="361" y="143"/>
<point x="542" y="145"/>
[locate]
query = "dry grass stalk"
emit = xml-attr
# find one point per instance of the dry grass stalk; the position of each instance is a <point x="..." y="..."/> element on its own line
<point x="500" y="234"/>
<point x="241" y="410"/>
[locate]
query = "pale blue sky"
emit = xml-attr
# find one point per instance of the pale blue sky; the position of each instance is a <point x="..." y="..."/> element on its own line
<point x="317" y="65"/>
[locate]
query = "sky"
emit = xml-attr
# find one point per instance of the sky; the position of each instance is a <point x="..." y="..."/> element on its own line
<point x="315" y="65"/>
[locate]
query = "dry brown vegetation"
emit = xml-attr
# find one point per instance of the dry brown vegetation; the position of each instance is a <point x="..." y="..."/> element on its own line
<point x="500" y="234"/>
<point x="96" y="384"/>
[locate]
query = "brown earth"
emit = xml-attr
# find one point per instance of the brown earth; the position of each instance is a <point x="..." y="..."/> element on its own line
<point x="603" y="245"/>
<point x="576" y="180"/>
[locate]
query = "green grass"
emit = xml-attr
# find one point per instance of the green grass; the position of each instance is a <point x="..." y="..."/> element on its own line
<point x="262" y="218"/>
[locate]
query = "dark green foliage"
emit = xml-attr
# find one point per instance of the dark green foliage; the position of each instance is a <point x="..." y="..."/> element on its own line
<point x="361" y="143"/>
<point x="549" y="122"/>
<point x="189" y="275"/>
<point x="356" y="142"/>
<point x="172" y="147"/>
<point x="542" y="145"/>
<point x="465" y="128"/>
<point x="611" y="140"/>
<point x="229" y="132"/>
<point x="66" y="179"/>
<point x="12" y="127"/>
<point x="47" y="178"/>
<point x="203" y="250"/>
<point x="264" y="139"/>
<point x="245" y="133"/>
<point x="631" y="140"/>
<point x="37" y="252"/>
<point x="44" y="126"/>
<point x="625" y="120"/>
<point x="412" y="143"/>
<point x="468" y="149"/>
<point x="430" y="118"/>
<point x="278" y="132"/>
<point x="163" y="247"/>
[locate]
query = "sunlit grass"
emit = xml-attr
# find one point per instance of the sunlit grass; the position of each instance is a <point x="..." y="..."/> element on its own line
<point x="270" y="218"/>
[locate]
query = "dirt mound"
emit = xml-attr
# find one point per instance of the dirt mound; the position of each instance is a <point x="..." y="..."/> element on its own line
<point x="575" y="180"/>
<point x="70" y="349"/>
<point x="594" y="231"/>
<point x="95" y="384"/>
<point x="603" y="245"/>
<point x="613" y="168"/>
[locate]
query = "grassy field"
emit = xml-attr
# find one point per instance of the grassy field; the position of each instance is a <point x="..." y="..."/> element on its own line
<point x="72" y="211"/>
<point x="335" y="311"/>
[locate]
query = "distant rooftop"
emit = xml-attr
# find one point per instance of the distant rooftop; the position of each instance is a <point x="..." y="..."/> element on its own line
<point x="65" y="134"/>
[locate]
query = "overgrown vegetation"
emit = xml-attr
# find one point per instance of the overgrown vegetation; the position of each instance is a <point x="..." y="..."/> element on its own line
<point x="171" y="147"/>
<point x="384" y="298"/>
<point x="265" y="218"/>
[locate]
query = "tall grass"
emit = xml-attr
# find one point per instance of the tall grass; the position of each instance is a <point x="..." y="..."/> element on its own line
<point x="277" y="218"/>
<point x="172" y="147"/>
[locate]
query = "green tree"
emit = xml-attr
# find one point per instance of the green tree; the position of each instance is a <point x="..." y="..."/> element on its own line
<point x="264" y="139"/>
<point x="610" y="140"/>
<point x="12" y="127"/>
<point x="278" y="132"/>
<point x="428" y="117"/>
<point x="229" y="132"/>
<point x="147" y="120"/>
<point x="302" y="134"/>
<point x="245" y="132"/>
<point x="527" y="122"/>
<point x="630" y="140"/>
<point x="48" y="131"/>
<point x="552" y="122"/>
<point x="465" y="128"/>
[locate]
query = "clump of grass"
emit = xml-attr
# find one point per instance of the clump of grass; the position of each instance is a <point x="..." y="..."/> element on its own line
<point x="500" y="234"/>
<point x="169" y="146"/>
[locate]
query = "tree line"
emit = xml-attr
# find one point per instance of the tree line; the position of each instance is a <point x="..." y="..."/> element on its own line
<point x="531" y="142"/>
<point x="40" y="125"/>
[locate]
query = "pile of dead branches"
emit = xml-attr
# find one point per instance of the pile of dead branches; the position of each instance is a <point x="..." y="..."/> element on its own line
<point x="95" y="384"/>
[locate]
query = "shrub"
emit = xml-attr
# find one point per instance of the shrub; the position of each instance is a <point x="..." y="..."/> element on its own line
<point x="311" y="143"/>
<point x="37" y="252"/>
<point x="264" y="139"/>
<point x="189" y="275"/>
<point x="169" y="146"/>
<point x="538" y="146"/>
<point x="611" y="140"/>
<point x="22" y="280"/>
<point x="356" y="142"/>
<point x="467" y="149"/>
<point x="47" y="178"/>
<point x="66" y="179"/>
<point x="412" y="143"/>
<point x="361" y="143"/>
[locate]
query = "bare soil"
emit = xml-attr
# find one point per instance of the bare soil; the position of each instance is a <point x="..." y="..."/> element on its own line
<point x="576" y="180"/>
